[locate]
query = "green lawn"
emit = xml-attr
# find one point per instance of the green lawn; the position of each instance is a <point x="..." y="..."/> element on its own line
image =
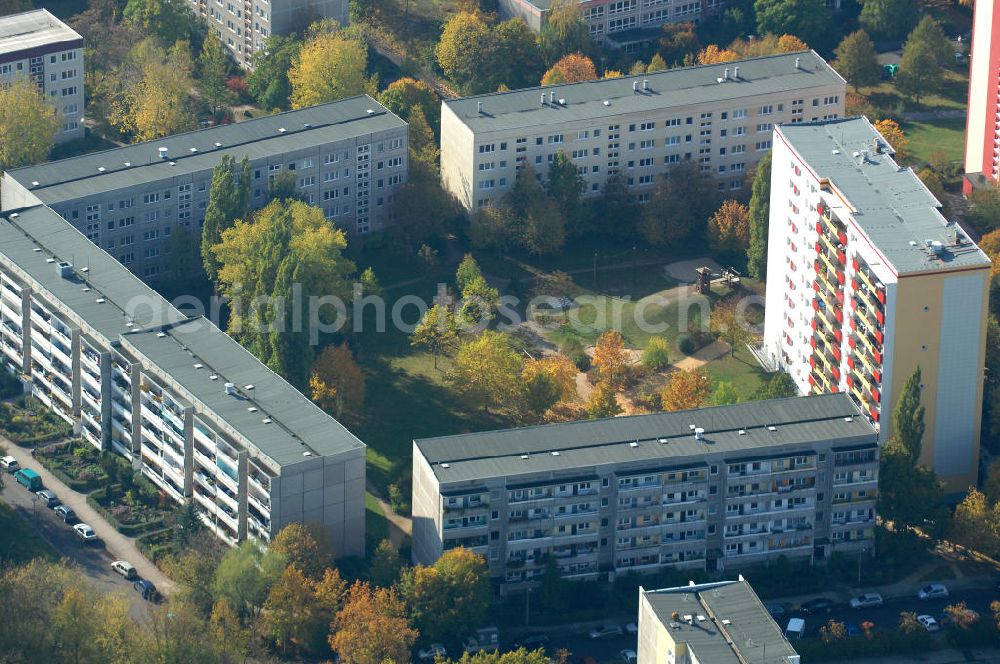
<point x="19" y="542"/>
<point x="954" y="94"/>
<point x="742" y="371"/>
<point x="931" y="136"/>
<point x="376" y="525"/>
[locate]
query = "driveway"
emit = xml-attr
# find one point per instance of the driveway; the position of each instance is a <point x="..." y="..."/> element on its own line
<point x="95" y="560"/>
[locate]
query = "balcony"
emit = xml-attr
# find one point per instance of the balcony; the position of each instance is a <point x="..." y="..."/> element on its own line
<point x="207" y="482"/>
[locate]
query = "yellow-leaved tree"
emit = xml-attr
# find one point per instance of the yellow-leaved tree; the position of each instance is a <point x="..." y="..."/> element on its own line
<point x="329" y="66"/>
<point x="892" y="132"/>
<point x="712" y="54"/>
<point x="729" y="228"/>
<point x="571" y="68"/>
<point x="159" y="102"/>
<point x="686" y="389"/>
<point x="337" y="383"/>
<point x="28" y="124"/>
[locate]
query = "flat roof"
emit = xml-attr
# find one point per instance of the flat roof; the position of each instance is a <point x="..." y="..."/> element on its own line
<point x="606" y="98"/>
<point x="196" y="151"/>
<point x="890" y="204"/>
<point x="36" y="239"/>
<point x="659" y="439"/>
<point x="721" y="622"/>
<point x="33" y="29"/>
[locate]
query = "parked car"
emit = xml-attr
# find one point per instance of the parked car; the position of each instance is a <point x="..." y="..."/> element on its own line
<point x="124" y="568"/>
<point x="29" y="479"/>
<point x="775" y="609"/>
<point x="933" y="591"/>
<point x="48" y="498"/>
<point x="486" y="638"/>
<point x="533" y="641"/>
<point x="929" y="623"/>
<point x="65" y="512"/>
<point x="820" y="604"/>
<point x="85" y="532"/>
<point x="631" y="629"/>
<point x="865" y="601"/>
<point x="628" y="656"/>
<point x="431" y="652"/>
<point x="606" y="632"/>
<point x="146" y="590"/>
<point x="9" y="464"/>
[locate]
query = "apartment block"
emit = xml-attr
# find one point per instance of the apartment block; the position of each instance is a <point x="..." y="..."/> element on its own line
<point x="618" y="23"/>
<point x="722" y="622"/>
<point x="982" y="134"/>
<point x="189" y="407"/>
<point x="867" y="281"/>
<point x="714" y="488"/>
<point x="348" y="157"/>
<point x="720" y="115"/>
<point x="39" y="46"/>
<point x="245" y="25"/>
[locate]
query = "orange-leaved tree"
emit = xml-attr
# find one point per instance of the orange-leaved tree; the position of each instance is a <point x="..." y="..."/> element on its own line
<point x="571" y="68"/>
<point x="686" y="389"/>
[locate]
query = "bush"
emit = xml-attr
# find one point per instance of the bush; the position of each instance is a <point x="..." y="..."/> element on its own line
<point x="577" y="355"/>
<point x="656" y="355"/>
<point x="686" y="345"/>
<point x="10" y="386"/>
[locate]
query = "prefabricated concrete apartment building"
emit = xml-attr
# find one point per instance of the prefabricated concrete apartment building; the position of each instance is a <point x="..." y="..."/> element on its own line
<point x="348" y="156"/>
<point x="38" y="46"/>
<point x="192" y="410"/>
<point x="639" y="126"/>
<point x="712" y="489"/>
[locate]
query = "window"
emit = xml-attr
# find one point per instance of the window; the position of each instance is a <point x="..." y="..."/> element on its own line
<point x="647" y="144"/>
<point x="555" y="139"/>
<point x="93" y="213"/>
<point x="766" y="109"/>
<point x="487" y="166"/>
<point x="647" y="126"/>
<point x="487" y="148"/>
<point x="394" y="162"/>
<point x="764" y="126"/>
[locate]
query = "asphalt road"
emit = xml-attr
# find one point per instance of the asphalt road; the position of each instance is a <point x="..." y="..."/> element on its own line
<point x="884" y="617"/>
<point x="92" y="559"/>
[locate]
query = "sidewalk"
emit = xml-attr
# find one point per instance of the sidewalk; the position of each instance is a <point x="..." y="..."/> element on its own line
<point x="119" y="546"/>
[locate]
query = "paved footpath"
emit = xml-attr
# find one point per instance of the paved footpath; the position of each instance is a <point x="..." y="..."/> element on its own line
<point x="118" y="545"/>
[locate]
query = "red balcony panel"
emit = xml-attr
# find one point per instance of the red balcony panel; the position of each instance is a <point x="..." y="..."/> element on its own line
<point x="878" y="357"/>
<point x="850" y="381"/>
<point x="855" y="264"/>
<point x="876" y="395"/>
<point x="842" y="257"/>
<point x="812" y="342"/>
<point x="880" y="295"/>
<point x="851" y="342"/>
<point x="812" y="380"/>
<point x="840" y="296"/>
<point x="836" y="372"/>
<point x="840" y="277"/>
<point x="821" y="209"/>
<point x="819" y="249"/>
<point x="842" y="236"/>
<point x="877" y="375"/>
<point x="816" y="266"/>
<point x="854" y="283"/>
<point x="814" y="324"/>
<point x="816" y="286"/>
<point x="880" y="317"/>
<point x="850" y="363"/>
<point x="854" y="325"/>
<point x="839" y="315"/>
<point x="878" y="336"/>
<point x="874" y="413"/>
<point x="836" y="352"/>
<point x="812" y="361"/>
<point x="815" y="304"/>
<point x="838" y="335"/>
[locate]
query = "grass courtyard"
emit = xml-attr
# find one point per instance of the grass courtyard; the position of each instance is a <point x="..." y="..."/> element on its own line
<point x="928" y="138"/>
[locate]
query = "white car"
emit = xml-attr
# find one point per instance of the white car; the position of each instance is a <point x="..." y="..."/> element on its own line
<point x="865" y="601"/>
<point x="85" y="532"/>
<point x="605" y="632"/>
<point x="929" y="623"/>
<point x="9" y="464"/>
<point x="631" y="629"/>
<point x="933" y="591"/>
<point x="431" y="652"/>
<point x="124" y="568"/>
<point x="628" y="656"/>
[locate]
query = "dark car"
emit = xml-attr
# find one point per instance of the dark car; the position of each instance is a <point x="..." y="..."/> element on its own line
<point x="146" y="590"/>
<point x="533" y="641"/>
<point x="818" y="605"/>
<point x="65" y="513"/>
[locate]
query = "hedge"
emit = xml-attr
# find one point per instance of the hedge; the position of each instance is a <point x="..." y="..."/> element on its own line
<point x="81" y="486"/>
<point x="129" y="529"/>
<point x="151" y="545"/>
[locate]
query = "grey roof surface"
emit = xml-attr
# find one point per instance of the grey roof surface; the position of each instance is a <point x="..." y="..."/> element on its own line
<point x="258" y="138"/>
<point x="751" y="635"/>
<point x="298" y="425"/>
<point x="893" y="207"/>
<point x="589" y="443"/>
<point x="675" y="87"/>
<point x="19" y="32"/>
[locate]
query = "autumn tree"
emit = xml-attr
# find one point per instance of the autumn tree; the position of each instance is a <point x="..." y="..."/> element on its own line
<point x="857" y="61"/>
<point x="549" y="380"/>
<point x="656" y="63"/>
<point x="571" y="68"/>
<point x="193" y="569"/>
<point x="686" y="390"/>
<point x="712" y="54"/>
<point x="681" y="203"/>
<point x="465" y="43"/>
<point x="372" y="628"/>
<point x="809" y="20"/>
<point x="611" y="358"/>
<point x="337" y="383"/>
<point x="329" y="66"/>
<point x="268" y="80"/>
<point x="603" y="401"/>
<point x="892" y="133"/>
<point x="565" y="31"/>
<point x="307" y="546"/>
<point x="975" y="524"/>
<point x="479" y="304"/>
<point x="405" y="94"/>
<point x="289" y="616"/>
<point x="213" y="73"/>
<point x="888" y="19"/>
<point x="228" y="198"/>
<point x="386" y="565"/>
<point x="731" y="324"/>
<point x="159" y="102"/>
<point x="487" y="372"/>
<point x="28" y="124"/>
<point x="729" y="229"/>
<point x="760" y="203"/>
<point x="677" y="41"/>
<point x="921" y="69"/>
<point x="437" y="332"/>
<point x="168" y="20"/>
<point x="232" y="638"/>
<point x="451" y="597"/>
<point x="467" y="272"/>
<point x="520" y="656"/>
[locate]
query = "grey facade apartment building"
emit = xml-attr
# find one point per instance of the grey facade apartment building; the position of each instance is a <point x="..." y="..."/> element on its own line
<point x="349" y="157"/>
<point x="37" y="45"/>
<point x="720" y="115"/>
<point x="711" y="489"/>
<point x="192" y="410"/>
<point x="714" y="623"/>
<point x="245" y="25"/>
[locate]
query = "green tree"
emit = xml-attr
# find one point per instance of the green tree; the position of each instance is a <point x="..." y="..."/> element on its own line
<point x="28" y="125"/>
<point x="193" y="569"/>
<point x="857" y="61"/>
<point x="565" y="185"/>
<point x="809" y="20"/>
<point x="519" y="656"/>
<point x="760" y="203"/>
<point x="656" y="354"/>
<point x="487" y="372"/>
<point x="437" y="332"/>
<point x="449" y="598"/>
<point x="229" y="634"/>
<point x="8" y="7"/>
<point x="779" y="386"/>
<point x="168" y="20"/>
<point x="908" y="494"/>
<point x="405" y="94"/>
<point x="921" y="69"/>
<point x="465" y="44"/>
<point x="973" y="524"/>
<point x="386" y="565"/>
<point x="908" y="416"/>
<point x="244" y="578"/>
<point x="228" y="198"/>
<point x="603" y="401"/>
<point x="183" y="271"/>
<point x="214" y="65"/>
<point x="565" y="31"/>
<point x="614" y="212"/>
<point x="329" y="66"/>
<point x="725" y="394"/>
<point x="479" y="303"/>
<point x="467" y="272"/>
<point x="268" y="82"/>
<point x="515" y="56"/>
<point x="888" y="19"/>
<point x="284" y="186"/>
<point x="682" y="202"/>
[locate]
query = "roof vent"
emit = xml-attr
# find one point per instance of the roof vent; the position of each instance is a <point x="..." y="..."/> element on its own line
<point x="633" y="444"/>
<point x="635" y="87"/>
<point x="49" y="260"/>
<point x="479" y="106"/>
<point x="65" y="269"/>
<point x="798" y="63"/>
<point x="725" y="74"/>
<point x="127" y="164"/>
<point x="607" y="103"/>
<point x="218" y="145"/>
<point x="248" y="387"/>
<point x="307" y="453"/>
<point x="230" y="389"/>
<point x="742" y="432"/>
<point x="160" y="335"/>
<point x="36" y="249"/>
<point x="692" y="427"/>
<point x="848" y="419"/>
<point x="937" y="247"/>
<point x="101" y="300"/>
<point x="281" y="130"/>
<point x="213" y="377"/>
<point x="543" y="99"/>
<point x="163" y="152"/>
<point x="562" y="102"/>
<point x="369" y="111"/>
<point x="664" y="441"/>
<point x="554" y="453"/>
<point x="699" y="433"/>
<point x="34" y="183"/>
<point x="645" y="84"/>
<point x="173" y="163"/>
<point x="701" y="618"/>
<point x="193" y="150"/>
<point x="525" y="456"/>
<point x="86" y="289"/>
<point x="772" y="428"/>
<point x="252" y="409"/>
<point x="267" y="420"/>
<point x="199" y="365"/>
<point x="727" y="622"/>
<point x="101" y="169"/>
<point x="15" y="215"/>
<point x="306" y="125"/>
<point x="84" y="269"/>
<point x="552" y="97"/>
<point x="446" y="465"/>
<point x="736" y="73"/>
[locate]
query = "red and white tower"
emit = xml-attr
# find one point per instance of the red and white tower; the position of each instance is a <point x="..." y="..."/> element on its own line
<point x="982" y="135"/>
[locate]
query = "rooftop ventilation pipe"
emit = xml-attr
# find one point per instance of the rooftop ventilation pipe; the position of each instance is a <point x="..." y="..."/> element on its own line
<point x="798" y="63"/>
<point x="163" y="152"/>
<point x="736" y="73"/>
